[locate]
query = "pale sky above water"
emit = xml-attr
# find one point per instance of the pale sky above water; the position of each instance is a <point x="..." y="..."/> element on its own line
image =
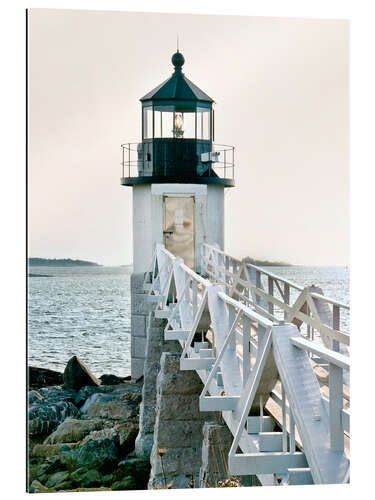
<point x="282" y="93"/>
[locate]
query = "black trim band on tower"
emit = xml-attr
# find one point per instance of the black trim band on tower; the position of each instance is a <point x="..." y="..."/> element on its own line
<point x="132" y="181"/>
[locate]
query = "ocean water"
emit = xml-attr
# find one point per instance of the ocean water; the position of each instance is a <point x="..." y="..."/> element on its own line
<point x="85" y="311"/>
<point x="334" y="282"/>
<point x="82" y="311"/>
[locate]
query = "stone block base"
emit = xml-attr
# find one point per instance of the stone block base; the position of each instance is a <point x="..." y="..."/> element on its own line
<point x="139" y="313"/>
<point x="155" y="346"/>
<point x="176" y="454"/>
<point x="217" y="440"/>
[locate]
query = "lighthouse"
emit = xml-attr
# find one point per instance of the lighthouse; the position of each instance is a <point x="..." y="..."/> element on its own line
<point x="178" y="177"/>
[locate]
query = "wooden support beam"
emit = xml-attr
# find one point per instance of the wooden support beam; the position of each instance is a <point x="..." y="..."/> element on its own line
<point x="176" y="334"/>
<point x="162" y="313"/>
<point x="323" y="352"/>
<point x="196" y="363"/>
<point x="218" y="403"/>
<point x="265" y="463"/>
<point x="155" y="298"/>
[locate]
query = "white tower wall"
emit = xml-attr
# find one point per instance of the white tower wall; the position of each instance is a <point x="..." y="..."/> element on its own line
<point x="148" y="218"/>
<point x="148" y="230"/>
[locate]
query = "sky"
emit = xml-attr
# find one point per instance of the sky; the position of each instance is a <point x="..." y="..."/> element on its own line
<point x="281" y="88"/>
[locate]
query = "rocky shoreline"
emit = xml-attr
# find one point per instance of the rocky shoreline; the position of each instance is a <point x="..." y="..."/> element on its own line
<point x="82" y="431"/>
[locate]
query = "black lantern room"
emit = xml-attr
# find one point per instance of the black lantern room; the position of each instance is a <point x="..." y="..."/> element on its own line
<point x="177" y="137"/>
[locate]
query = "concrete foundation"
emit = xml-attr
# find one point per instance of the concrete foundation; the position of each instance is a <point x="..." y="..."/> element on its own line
<point x="178" y="426"/>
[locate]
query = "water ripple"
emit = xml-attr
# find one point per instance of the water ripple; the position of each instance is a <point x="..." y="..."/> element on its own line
<point x="81" y="311"/>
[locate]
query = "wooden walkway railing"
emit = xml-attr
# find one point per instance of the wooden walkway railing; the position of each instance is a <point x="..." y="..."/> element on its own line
<point x="247" y="358"/>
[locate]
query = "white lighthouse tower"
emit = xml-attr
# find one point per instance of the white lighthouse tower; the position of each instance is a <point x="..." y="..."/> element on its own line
<point x="178" y="176"/>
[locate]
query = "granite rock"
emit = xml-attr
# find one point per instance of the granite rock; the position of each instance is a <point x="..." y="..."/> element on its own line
<point x="117" y="407"/>
<point x="44" y="418"/>
<point x="41" y="377"/>
<point x="73" y="430"/>
<point x="77" y="375"/>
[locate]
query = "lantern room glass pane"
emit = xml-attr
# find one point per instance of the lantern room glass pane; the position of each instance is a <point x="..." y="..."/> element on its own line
<point x="189" y="126"/>
<point x="204" y="123"/>
<point x="147" y="123"/>
<point x="179" y="122"/>
<point x="206" y="126"/>
<point x="157" y="124"/>
<point x="199" y="125"/>
<point x="167" y="124"/>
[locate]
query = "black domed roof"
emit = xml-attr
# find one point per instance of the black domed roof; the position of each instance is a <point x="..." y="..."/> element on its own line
<point x="177" y="87"/>
<point x="178" y="60"/>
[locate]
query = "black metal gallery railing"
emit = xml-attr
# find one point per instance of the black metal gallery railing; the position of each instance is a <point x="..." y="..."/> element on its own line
<point x="138" y="161"/>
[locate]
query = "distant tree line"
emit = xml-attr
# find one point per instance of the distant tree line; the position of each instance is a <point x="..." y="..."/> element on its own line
<point x="37" y="261"/>
<point x="256" y="262"/>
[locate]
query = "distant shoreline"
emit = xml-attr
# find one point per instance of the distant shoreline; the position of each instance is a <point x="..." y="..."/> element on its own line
<point x="37" y="261"/>
<point x="266" y="263"/>
<point x="32" y="275"/>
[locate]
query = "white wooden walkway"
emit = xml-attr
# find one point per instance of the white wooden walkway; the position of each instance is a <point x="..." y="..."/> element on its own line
<point x="249" y="338"/>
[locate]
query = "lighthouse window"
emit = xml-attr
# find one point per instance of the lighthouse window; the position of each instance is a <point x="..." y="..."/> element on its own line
<point x="157" y="123"/>
<point x="206" y="126"/>
<point x="147" y="123"/>
<point x="199" y="125"/>
<point x="189" y="126"/>
<point x="167" y="124"/>
<point x="203" y="123"/>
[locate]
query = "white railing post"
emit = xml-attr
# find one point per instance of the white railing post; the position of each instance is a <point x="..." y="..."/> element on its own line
<point x="336" y="325"/>
<point x="270" y="292"/>
<point x="258" y="284"/>
<point x="283" y="408"/>
<point x="232" y="317"/>
<point x="286" y="297"/>
<point x="195" y="297"/>
<point x="227" y="261"/>
<point x="335" y="407"/>
<point x="292" y="432"/>
<point x="246" y="336"/>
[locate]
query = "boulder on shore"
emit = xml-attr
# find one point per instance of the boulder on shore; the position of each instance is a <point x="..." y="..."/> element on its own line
<point x="80" y="431"/>
<point x="100" y="454"/>
<point x="77" y="375"/>
<point x="112" y="406"/>
<point x="42" y="377"/>
<point x="72" y="430"/>
<point x="44" y="418"/>
<point x="107" y="379"/>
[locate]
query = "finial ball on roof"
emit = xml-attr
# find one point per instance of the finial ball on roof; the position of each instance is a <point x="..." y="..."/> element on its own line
<point x="178" y="60"/>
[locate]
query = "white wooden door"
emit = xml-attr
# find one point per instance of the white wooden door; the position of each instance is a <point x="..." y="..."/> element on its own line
<point x="179" y="227"/>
